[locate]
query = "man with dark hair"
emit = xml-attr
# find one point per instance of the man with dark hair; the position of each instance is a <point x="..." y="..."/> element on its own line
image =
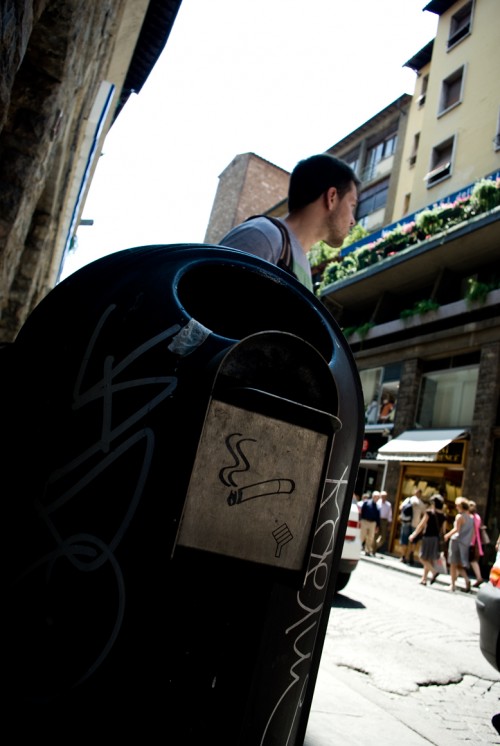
<point x="322" y="200"/>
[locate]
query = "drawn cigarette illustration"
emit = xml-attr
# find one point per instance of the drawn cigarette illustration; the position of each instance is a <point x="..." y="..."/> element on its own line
<point x="261" y="489"/>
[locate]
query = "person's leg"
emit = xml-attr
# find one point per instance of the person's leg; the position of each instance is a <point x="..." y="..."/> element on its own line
<point x="371" y="537"/>
<point x="428" y="570"/>
<point x="409" y="552"/>
<point x="403" y="541"/>
<point x="362" y="532"/>
<point x="463" y="572"/>
<point x="382" y="536"/>
<point x="477" y="572"/>
<point x="453" y="576"/>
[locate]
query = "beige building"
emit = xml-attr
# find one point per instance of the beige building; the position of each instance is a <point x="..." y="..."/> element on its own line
<point x="453" y="133"/>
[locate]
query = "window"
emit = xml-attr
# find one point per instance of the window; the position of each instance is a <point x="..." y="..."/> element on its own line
<point x="423" y="91"/>
<point x="441" y="162"/>
<point x="461" y="23"/>
<point x="496" y="139"/>
<point x="413" y="157"/>
<point x="352" y="160"/>
<point x="447" y="398"/>
<point x="380" y="392"/>
<point x="378" y="152"/>
<point x="372" y="199"/>
<point x="451" y="91"/>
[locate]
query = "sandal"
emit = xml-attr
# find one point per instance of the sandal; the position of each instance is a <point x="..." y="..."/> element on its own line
<point x="433" y="579"/>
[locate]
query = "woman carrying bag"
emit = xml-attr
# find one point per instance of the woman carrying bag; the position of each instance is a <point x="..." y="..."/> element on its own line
<point x="477" y="544"/>
<point x="430" y="529"/>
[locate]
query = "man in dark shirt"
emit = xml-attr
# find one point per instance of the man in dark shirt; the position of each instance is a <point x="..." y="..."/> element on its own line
<point x="370" y="522"/>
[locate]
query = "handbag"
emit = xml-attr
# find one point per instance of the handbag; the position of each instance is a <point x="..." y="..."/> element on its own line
<point x="485" y="539"/>
<point x="440" y="565"/>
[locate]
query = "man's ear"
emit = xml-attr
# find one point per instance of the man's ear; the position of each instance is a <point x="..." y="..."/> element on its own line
<point x="331" y="197"/>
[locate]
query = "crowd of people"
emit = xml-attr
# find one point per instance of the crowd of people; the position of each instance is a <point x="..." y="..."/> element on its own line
<point x="443" y="544"/>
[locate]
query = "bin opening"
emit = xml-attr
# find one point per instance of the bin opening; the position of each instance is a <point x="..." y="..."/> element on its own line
<point x="238" y="300"/>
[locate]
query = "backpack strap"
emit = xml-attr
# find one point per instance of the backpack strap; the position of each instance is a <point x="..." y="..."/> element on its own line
<point x="285" y="258"/>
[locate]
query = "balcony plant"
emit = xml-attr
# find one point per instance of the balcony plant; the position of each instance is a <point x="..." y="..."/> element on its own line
<point x="477" y="291"/>
<point x="420" y="308"/>
<point x="485" y="196"/>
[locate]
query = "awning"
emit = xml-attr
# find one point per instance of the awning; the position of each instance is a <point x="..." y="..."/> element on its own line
<point x="418" y="445"/>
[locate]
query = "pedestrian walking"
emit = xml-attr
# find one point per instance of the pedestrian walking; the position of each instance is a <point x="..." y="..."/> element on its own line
<point x="430" y="529"/>
<point x="460" y="538"/>
<point x="412" y="510"/>
<point x="476" y="547"/>
<point x="385" y="510"/>
<point x="370" y="522"/>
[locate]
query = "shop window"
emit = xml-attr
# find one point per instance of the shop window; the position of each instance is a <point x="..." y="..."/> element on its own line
<point x="452" y="91"/>
<point x="461" y="24"/>
<point x="447" y="398"/>
<point x="441" y="162"/>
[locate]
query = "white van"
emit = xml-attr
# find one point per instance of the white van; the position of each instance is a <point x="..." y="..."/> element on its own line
<point x="351" y="551"/>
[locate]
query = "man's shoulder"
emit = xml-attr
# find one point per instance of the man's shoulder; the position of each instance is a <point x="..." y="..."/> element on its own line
<point x="259" y="224"/>
<point x="258" y="236"/>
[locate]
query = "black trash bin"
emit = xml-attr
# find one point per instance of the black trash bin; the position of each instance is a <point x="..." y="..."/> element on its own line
<point x="184" y="430"/>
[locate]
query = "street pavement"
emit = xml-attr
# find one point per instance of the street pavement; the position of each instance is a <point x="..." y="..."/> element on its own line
<point x="348" y="709"/>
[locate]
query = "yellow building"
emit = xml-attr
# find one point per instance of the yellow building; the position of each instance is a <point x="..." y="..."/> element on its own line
<point x="453" y="132"/>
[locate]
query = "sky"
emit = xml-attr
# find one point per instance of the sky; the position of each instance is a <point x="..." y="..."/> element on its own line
<point x="283" y="79"/>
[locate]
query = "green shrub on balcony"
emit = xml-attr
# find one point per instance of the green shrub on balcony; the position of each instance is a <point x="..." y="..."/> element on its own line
<point x="485" y="195"/>
<point x="321" y="253"/>
<point x="419" y="308"/>
<point x="477" y="291"/>
<point x="339" y="270"/>
<point x="362" y="330"/>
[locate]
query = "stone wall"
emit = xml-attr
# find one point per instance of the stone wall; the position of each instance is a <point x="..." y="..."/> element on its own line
<point x="480" y="454"/>
<point x="56" y="51"/>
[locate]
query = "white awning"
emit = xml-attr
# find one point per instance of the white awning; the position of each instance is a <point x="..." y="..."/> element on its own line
<point x="418" y="445"/>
